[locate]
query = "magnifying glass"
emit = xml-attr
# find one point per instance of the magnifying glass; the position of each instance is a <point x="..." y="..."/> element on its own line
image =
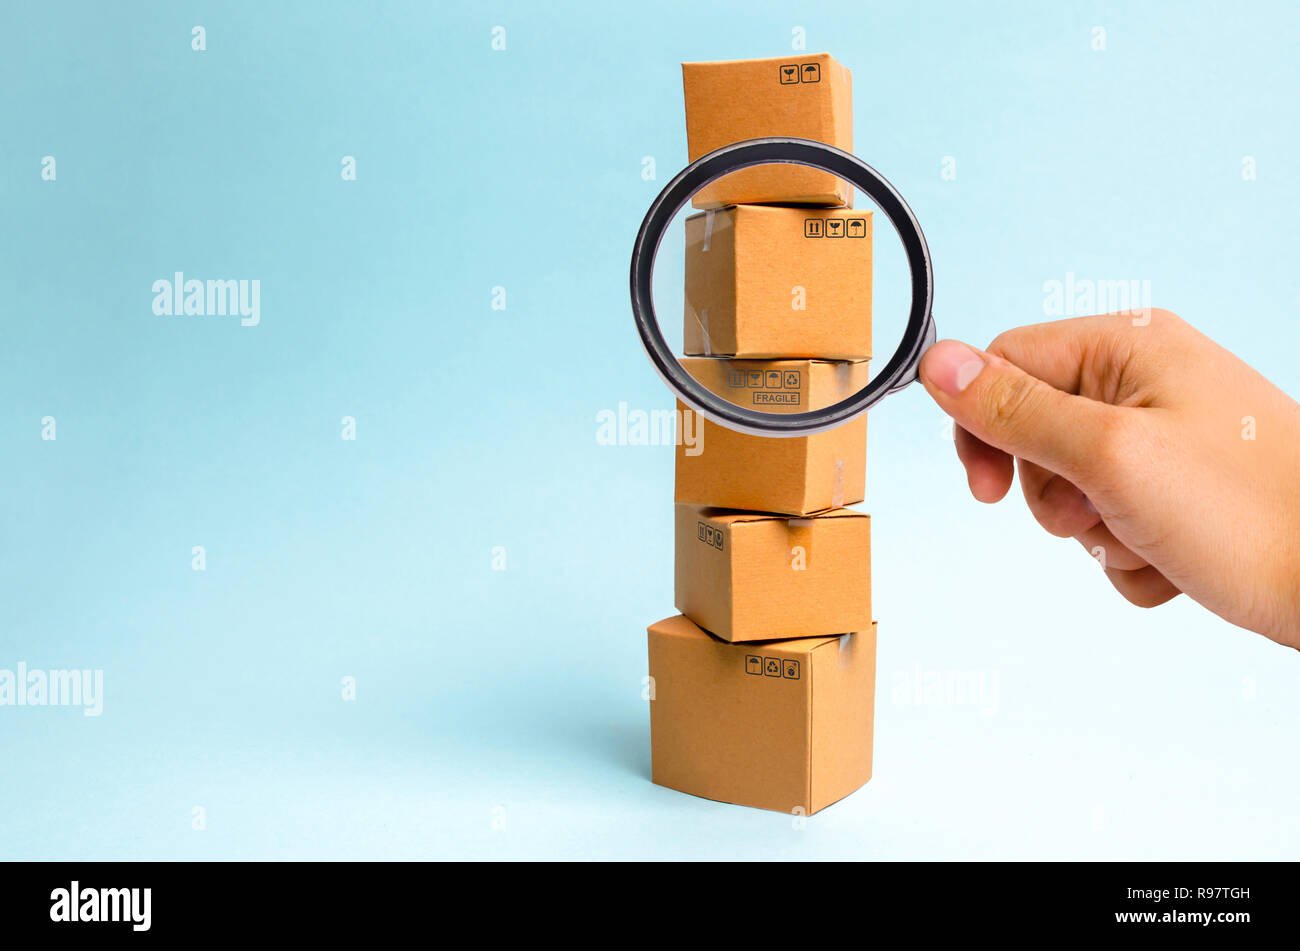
<point x="825" y="255"/>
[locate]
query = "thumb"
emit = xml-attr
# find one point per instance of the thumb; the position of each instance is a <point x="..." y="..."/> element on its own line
<point x="1005" y="407"/>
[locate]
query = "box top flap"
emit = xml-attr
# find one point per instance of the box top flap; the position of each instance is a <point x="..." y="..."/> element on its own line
<point x="680" y="626"/>
<point x="731" y="516"/>
<point x="743" y="362"/>
<point x="792" y="58"/>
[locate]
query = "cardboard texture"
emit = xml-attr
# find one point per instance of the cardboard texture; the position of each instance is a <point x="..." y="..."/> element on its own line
<point x="808" y="95"/>
<point x="799" y="475"/>
<point x="770" y="282"/>
<point x="745" y="576"/>
<point x="783" y="725"/>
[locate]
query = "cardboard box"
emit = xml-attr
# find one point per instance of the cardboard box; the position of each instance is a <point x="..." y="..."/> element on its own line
<point x="746" y="576"/>
<point x="796" y="475"/>
<point x="783" y="725"/>
<point x="809" y="96"/>
<point x="769" y="282"/>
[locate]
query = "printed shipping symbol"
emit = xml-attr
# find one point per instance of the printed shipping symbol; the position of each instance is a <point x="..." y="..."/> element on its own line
<point x="773" y="667"/>
<point x="789" y="75"/>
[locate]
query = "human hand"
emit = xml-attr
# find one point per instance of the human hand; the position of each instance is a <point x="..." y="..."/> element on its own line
<point x="1173" y="462"/>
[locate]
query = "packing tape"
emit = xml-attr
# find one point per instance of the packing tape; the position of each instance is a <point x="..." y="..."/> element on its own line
<point x="845" y="651"/>
<point x="837" y="488"/>
<point x="843" y="379"/>
<point x="702" y="318"/>
<point x="799" y="535"/>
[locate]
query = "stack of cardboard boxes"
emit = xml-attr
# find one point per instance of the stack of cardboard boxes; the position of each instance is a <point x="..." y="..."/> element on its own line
<point x="763" y="688"/>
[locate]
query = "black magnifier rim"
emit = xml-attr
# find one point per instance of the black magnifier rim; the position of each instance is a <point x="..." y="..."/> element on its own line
<point x="902" y="366"/>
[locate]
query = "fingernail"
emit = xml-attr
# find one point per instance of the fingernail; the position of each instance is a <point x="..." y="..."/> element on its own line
<point x="952" y="366"/>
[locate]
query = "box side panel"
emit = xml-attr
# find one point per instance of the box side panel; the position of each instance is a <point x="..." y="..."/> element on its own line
<point x="843" y="697"/>
<point x="835" y="464"/>
<point x="738" y="471"/>
<point x="702" y="569"/>
<point x="801" y="577"/>
<point x="840" y="117"/>
<point x="744" y="99"/>
<point x="710" y="299"/>
<point x="723" y="733"/>
<point x="803" y="283"/>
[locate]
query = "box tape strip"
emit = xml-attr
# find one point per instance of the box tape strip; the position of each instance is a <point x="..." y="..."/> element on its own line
<point x="799" y="534"/>
<point x="702" y="317"/>
<point x="845" y="651"/>
<point x="843" y="379"/>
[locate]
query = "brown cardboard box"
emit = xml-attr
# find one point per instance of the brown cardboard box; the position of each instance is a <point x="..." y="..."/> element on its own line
<point x="785" y="475"/>
<point x="783" y="725"/>
<point x="764" y="282"/>
<point x="745" y="576"/>
<point x="807" y="95"/>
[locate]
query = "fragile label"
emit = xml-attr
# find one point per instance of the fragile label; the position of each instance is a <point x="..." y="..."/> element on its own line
<point x="769" y="387"/>
<point x="783" y="667"/>
<point x="792" y="74"/>
<point x="835" y="227"/>
<point x="710" y="535"/>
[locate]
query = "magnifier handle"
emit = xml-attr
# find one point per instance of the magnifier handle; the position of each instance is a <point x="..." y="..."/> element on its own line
<point x="915" y="373"/>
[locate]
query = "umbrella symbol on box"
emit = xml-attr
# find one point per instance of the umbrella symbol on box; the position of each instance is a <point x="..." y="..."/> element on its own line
<point x="812" y="73"/>
<point x="857" y="227"/>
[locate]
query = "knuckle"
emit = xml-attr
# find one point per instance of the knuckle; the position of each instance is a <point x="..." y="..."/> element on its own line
<point x="1010" y="401"/>
<point x="1153" y="317"/>
<point x="1000" y="343"/>
<point x="1057" y="506"/>
<point x="1113" y="448"/>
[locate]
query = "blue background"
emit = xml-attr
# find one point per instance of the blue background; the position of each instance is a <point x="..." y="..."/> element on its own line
<point x="499" y="713"/>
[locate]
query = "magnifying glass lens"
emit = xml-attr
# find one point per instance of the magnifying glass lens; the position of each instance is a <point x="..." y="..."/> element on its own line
<point x="775" y="308"/>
